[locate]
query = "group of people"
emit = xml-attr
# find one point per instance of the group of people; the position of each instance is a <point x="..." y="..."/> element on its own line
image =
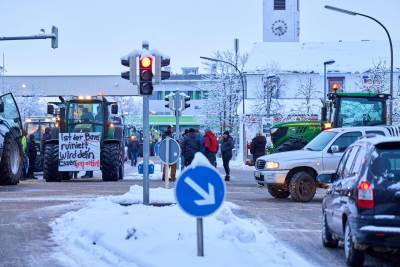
<point x="193" y="141"/>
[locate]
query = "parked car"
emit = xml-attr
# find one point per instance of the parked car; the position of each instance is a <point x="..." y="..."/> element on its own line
<point x="294" y="173"/>
<point x="362" y="206"/>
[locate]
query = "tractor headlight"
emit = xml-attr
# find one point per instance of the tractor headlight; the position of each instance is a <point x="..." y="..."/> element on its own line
<point x="273" y="130"/>
<point x="272" y="165"/>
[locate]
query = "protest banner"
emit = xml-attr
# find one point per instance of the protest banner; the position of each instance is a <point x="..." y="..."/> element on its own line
<point x="79" y="152"/>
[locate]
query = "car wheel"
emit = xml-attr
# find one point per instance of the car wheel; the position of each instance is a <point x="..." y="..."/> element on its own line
<point x="327" y="238"/>
<point x="302" y="187"/>
<point x="278" y="191"/>
<point x="354" y="257"/>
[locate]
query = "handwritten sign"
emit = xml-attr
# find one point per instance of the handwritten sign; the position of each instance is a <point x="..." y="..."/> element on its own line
<point x="79" y="152"/>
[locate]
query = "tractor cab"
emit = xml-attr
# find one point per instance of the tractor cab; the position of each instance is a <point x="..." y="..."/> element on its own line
<point x="355" y="109"/>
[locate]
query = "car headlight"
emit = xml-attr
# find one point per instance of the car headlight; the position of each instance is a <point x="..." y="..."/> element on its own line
<point x="271" y="165"/>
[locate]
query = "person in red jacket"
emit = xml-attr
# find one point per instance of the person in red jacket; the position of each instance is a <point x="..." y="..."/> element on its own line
<point x="211" y="147"/>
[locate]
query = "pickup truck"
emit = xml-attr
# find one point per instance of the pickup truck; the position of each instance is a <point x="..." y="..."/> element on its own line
<point x="294" y="173"/>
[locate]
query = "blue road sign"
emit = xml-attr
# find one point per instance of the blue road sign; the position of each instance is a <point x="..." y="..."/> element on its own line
<point x="169" y="151"/>
<point x="200" y="191"/>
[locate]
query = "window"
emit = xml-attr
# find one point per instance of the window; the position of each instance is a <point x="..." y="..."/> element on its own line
<point x="335" y="84"/>
<point x="318" y="143"/>
<point x="346" y="139"/>
<point x="375" y="132"/>
<point x="361" y="111"/>
<point x="359" y="161"/>
<point x="342" y="163"/>
<point x="349" y="162"/>
<point x="279" y="4"/>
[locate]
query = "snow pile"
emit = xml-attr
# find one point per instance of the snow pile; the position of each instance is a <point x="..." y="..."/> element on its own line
<point x="108" y="234"/>
<point x="135" y="196"/>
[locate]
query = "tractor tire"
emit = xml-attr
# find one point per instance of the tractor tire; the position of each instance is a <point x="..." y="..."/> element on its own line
<point x="110" y="161"/>
<point x="278" y="191"/>
<point x="290" y="145"/>
<point x="50" y="164"/>
<point x="11" y="163"/>
<point x="302" y="187"/>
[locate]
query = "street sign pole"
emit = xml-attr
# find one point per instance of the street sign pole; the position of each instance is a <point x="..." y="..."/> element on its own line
<point x="200" y="238"/>
<point x="146" y="150"/>
<point x="200" y="191"/>
<point x="166" y="178"/>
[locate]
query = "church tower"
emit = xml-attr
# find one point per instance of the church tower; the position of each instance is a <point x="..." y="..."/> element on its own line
<point x="281" y="19"/>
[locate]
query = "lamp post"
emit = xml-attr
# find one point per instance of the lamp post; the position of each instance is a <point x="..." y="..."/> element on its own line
<point x="329" y="62"/>
<point x="348" y="12"/>
<point x="243" y="94"/>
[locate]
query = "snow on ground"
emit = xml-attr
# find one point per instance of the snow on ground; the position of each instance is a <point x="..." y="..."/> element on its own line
<point x="106" y="233"/>
<point x="236" y="164"/>
<point x="132" y="173"/>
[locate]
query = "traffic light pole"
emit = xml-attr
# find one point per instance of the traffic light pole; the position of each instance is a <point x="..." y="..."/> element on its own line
<point x="53" y="36"/>
<point x="146" y="150"/>
<point x="177" y="114"/>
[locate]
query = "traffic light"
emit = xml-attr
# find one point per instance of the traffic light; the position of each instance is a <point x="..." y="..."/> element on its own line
<point x="129" y="61"/>
<point x="185" y="101"/>
<point x="162" y="61"/>
<point x="146" y="75"/>
<point x="169" y="102"/>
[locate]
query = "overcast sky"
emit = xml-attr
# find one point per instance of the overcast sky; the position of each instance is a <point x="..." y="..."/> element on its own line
<point x="94" y="34"/>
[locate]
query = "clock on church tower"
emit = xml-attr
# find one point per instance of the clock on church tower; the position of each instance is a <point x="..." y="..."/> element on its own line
<point x="281" y="20"/>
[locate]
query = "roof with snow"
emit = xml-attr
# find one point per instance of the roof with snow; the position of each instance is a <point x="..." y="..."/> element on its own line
<point x="356" y="56"/>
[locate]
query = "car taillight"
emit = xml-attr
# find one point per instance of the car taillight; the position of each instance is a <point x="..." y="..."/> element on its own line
<point x="365" y="195"/>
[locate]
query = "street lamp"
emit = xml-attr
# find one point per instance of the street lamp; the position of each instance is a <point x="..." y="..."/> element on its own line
<point x="348" y="12"/>
<point x="243" y="94"/>
<point x="329" y="62"/>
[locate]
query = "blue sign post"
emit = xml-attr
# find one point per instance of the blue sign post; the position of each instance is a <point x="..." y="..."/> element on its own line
<point x="200" y="191"/>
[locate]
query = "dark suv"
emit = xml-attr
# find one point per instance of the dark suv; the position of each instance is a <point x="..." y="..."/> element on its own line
<point x="362" y="207"/>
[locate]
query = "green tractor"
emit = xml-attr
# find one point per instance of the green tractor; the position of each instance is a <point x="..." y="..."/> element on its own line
<point x="83" y="115"/>
<point x="341" y="110"/>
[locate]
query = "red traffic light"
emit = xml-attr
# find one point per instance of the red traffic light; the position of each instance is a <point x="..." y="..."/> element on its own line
<point x="146" y="62"/>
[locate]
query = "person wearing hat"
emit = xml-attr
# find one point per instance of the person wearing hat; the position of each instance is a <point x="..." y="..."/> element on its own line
<point x="226" y="151"/>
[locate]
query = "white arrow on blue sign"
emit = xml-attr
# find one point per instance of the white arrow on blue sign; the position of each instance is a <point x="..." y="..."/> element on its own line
<point x="200" y="190"/>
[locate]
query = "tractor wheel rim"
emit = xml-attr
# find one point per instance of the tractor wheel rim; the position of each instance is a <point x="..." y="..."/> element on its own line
<point x="15" y="159"/>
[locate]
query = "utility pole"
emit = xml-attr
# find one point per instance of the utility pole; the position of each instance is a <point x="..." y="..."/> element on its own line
<point x="177" y="126"/>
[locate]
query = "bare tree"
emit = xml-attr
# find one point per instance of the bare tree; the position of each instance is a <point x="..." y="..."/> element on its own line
<point x="268" y="95"/>
<point x="307" y="91"/>
<point x="224" y="93"/>
<point x="375" y="80"/>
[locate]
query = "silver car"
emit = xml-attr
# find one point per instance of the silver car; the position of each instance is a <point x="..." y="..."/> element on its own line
<point x="294" y="172"/>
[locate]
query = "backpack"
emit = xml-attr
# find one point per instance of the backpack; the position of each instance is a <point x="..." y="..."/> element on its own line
<point x="211" y="143"/>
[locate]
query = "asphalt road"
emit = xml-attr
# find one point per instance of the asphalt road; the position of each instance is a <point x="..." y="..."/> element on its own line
<point x="27" y="209"/>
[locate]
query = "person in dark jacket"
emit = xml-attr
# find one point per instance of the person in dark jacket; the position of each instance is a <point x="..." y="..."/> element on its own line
<point x="32" y="156"/>
<point x="257" y="146"/>
<point x="190" y="146"/>
<point x="133" y="149"/>
<point x="226" y="151"/>
<point x="211" y="147"/>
